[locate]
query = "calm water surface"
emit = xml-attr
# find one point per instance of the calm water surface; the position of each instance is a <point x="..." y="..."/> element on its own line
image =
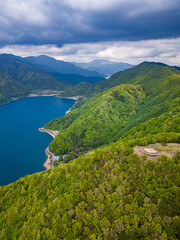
<point x="22" y="146"/>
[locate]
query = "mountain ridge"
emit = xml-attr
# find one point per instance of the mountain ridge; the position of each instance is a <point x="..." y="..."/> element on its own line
<point x="159" y="84"/>
<point x="25" y="77"/>
<point x="51" y="65"/>
<point x="105" y="67"/>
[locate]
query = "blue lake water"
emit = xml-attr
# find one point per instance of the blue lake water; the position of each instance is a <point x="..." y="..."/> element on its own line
<point x="22" y="146"/>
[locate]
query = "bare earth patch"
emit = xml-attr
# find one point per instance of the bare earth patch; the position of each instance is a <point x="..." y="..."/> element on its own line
<point x="156" y="150"/>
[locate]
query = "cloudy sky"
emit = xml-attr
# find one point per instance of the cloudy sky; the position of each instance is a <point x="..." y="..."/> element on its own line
<point x="83" y="30"/>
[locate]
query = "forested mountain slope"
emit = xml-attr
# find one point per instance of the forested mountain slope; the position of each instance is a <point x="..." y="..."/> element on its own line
<point x="146" y="74"/>
<point x="18" y="78"/>
<point x="152" y="90"/>
<point x="110" y="193"/>
<point x="153" y="77"/>
<point x="29" y="76"/>
<point x="97" y="121"/>
<point x="10" y="88"/>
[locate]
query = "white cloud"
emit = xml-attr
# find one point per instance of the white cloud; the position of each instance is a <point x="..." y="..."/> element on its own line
<point x="30" y="12"/>
<point x="92" y="4"/>
<point x="165" y="50"/>
<point x="133" y="7"/>
<point x="134" y="52"/>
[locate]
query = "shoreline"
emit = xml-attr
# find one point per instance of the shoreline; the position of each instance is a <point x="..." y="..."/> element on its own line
<point x="53" y="133"/>
<point x="31" y="95"/>
<point x="73" y="98"/>
<point x="11" y="100"/>
<point x="48" y="164"/>
<point x="76" y="98"/>
<point x="42" y="95"/>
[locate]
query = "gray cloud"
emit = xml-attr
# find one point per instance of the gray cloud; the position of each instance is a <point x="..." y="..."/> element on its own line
<point x="59" y="22"/>
<point x="160" y="50"/>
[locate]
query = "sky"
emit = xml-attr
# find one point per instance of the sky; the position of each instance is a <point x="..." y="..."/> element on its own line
<point x="83" y="30"/>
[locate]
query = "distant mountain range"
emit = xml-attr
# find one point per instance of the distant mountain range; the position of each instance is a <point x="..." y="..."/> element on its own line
<point x="52" y="65"/>
<point x="19" y="76"/>
<point x="104" y="67"/>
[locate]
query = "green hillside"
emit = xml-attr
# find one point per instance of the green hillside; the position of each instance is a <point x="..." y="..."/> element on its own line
<point x="152" y="90"/>
<point x="29" y="76"/>
<point x="97" y="121"/>
<point x="18" y="78"/>
<point x="10" y="88"/>
<point x="110" y="192"/>
<point x="155" y="78"/>
<point x="146" y="74"/>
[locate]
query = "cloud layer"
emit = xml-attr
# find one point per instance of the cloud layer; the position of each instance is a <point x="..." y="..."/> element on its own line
<point x="59" y="22"/>
<point x="83" y="30"/>
<point x="164" y="50"/>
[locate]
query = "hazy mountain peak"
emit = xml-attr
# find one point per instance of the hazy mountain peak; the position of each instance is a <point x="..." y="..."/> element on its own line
<point x="105" y="66"/>
<point x="52" y="65"/>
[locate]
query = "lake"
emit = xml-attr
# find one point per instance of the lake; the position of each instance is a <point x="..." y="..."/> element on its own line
<point x="22" y="146"/>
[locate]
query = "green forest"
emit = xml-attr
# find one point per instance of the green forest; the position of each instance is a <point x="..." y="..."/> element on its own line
<point x="146" y="92"/>
<point x="103" y="190"/>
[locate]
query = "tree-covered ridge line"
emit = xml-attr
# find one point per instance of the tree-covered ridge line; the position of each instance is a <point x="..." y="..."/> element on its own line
<point x="18" y="79"/>
<point x="109" y="193"/>
<point x="86" y="127"/>
<point x="97" y="121"/>
<point x="148" y="75"/>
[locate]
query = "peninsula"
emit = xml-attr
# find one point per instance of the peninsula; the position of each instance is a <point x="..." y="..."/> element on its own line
<point x="49" y="163"/>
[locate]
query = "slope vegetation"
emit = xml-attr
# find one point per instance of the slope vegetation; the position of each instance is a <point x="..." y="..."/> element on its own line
<point x="18" y="78"/>
<point x="10" y="88"/>
<point x="28" y="76"/>
<point x="110" y="193"/>
<point x="97" y="121"/>
<point x="38" y="73"/>
<point x="145" y="92"/>
<point x="155" y="78"/>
